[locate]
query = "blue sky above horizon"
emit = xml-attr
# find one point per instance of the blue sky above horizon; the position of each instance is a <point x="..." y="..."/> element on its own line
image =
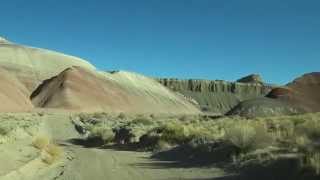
<point x="206" y="39"/>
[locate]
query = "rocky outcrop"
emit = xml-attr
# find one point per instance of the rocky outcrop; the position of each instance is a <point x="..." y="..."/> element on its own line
<point x="302" y="92"/>
<point x="305" y="92"/>
<point x="264" y="107"/>
<point x="252" y="78"/>
<point x="281" y="92"/>
<point x="216" y="96"/>
<point x="300" y="96"/>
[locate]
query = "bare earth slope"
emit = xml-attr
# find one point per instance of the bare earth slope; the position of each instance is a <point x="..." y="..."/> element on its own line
<point x="33" y="65"/>
<point x="307" y="91"/>
<point x="48" y="79"/>
<point x="81" y="89"/>
<point x="14" y="96"/>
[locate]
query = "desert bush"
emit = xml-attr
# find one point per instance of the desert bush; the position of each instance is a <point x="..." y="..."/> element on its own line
<point x="4" y="130"/>
<point x="170" y="133"/>
<point x="149" y="140"/>
<point x="313" y="161"/>
<point x="202" y="145"/>
<point x="310" y="128"/>
<point x="122" y="116"/>
<point x="142" y="121"/>
<point x="106" y="134"/>
<point x="248" y="136"/>
<point x="51" y="153"/>
<point x="162" y="145"/>
<point x="83" y="116"/>
<point x="282" y="129"/>
<point x="123" y="135"/>
<point x="41" y="142"/>
<point x="100" y="115"/>
<point x="174" y="133"/>
<point x="303" y="143"/>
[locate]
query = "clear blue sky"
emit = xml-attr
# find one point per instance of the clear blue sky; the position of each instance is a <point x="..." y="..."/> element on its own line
<point x="209" y="39"/>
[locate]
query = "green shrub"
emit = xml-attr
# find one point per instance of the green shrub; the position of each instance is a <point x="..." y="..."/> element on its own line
<point x="303" y="143"/>
<point x="51" y="153"/>
<point x="149" y="140"/>
<point x="104" y="133"/>
<point x="41" y="142"/>
<point x="123" y="135"/>
<point x="99" y="115"/>
<point x="162" y="145"/>
<point x="4" y="130"/>
<point x="142" y="121"/>
<point x="248" y="136"/>
<point x="174" y="133"/>
<point x="310" y="128"/>
<point x="122" y="116"/>
<point x="313" y="161"/>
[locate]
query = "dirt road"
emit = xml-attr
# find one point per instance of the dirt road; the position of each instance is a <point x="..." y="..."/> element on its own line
<point x="109" y="164"/>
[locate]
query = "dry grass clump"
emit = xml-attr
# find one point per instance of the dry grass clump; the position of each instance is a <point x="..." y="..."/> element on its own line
<point x="4" y="130"/>
<point x="248" y="135"/>
<point x="41" y="142"/>
<point x="302" y="142"/>
<point x="313" y="161"/>
<point x="310" y="128"/>
<point x="106" y="134"/>
<point x="50" y="152"/>
<point x="122" y="116"/>
<point x="143" y="121"/>
<point x="174" y="133"/>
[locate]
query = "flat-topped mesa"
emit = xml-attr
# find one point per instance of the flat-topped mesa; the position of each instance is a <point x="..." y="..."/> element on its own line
<point x="252" y="78"/>
<point x="214" y="86"/>
<point x="216" y="96"/>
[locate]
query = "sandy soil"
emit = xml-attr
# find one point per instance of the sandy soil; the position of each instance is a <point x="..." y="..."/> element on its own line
<point x="100" y="164"/>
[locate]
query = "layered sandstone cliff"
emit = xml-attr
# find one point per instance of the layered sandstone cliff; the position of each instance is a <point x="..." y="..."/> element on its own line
<point x="215" y="96"/>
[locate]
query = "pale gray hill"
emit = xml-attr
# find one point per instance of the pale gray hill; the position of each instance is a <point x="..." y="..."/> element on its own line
<point x="80" y="89"/>
<point x="33" y="65"/>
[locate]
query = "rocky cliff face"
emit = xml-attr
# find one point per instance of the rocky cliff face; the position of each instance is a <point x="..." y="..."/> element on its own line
<point x="216" y="96"/>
